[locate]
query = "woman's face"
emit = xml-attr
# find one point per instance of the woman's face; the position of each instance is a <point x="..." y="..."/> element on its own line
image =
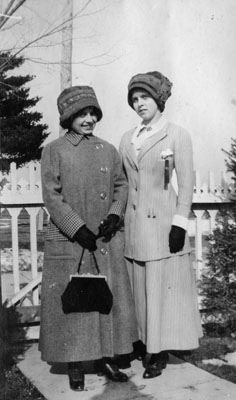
<point x="144" y="105"/>
<point x="85" y="121"/>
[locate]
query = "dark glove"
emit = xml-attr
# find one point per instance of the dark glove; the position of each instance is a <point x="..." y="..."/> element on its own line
<point x="176" y="239"/>
<point x="108" y="226"/>
<point x="86" y="238"/>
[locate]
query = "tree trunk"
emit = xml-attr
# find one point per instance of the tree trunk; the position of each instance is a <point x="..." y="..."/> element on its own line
<point x="66" y="49"/>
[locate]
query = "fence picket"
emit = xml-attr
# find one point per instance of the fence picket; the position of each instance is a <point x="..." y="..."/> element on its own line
<point x="17" y="195"/>
<point x="14" y="212"/>
<point x="33" y="248"/>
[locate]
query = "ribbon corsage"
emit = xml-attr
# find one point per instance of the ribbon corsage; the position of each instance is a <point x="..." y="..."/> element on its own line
<point x="166" y="155"/>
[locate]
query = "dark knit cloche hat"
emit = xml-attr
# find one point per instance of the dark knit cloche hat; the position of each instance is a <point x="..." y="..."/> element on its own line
<point x="156" y="84"/>
<point x="74" y="99"/>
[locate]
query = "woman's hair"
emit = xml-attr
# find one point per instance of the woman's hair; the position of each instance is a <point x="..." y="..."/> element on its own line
<point x="67" y="123"/>
<point x="160" y="104"/>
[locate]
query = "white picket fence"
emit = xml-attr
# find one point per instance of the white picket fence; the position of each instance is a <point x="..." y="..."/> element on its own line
<point x="25" y="194"/>
<point x="15" y="196"/>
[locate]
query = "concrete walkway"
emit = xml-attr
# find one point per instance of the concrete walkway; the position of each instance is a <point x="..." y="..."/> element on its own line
<point x="179" y="381"/>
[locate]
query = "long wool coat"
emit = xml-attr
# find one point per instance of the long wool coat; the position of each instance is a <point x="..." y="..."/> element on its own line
<point x="82" y="183"/>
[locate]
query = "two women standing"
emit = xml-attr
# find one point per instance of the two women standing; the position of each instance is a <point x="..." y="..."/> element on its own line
<point x="156" y="244"/>
<point x="85" y="191"/>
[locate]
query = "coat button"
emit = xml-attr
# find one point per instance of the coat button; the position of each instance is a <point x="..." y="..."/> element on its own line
<point x="104" y="170"/>
<point x="99" y="146"/>
<point x="134" y="206"/>
<point x="103" y="196"/>
<point x="103" y="251"/>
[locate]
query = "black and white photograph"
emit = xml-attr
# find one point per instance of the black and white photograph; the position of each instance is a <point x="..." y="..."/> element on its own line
<point x="117" y="200"/>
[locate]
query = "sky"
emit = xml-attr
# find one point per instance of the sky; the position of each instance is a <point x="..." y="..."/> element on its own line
<point x="192" y="42"/>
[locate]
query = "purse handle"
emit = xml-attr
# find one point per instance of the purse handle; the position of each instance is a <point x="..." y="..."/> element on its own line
<point x="94" y="258"/>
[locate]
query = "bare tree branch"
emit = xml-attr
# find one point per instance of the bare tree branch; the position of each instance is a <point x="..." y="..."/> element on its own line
<point x="55" y="30"/>
<point x="102" y="59"/>
<point x="8" y="7"/>
<point x="51" y="32"/>
<point x="85" y="6"/>
<point x="9" y="12"/>
<point x="7" y="28"/>
<point x="54" y="44"/>
<point x="83" y="62"/>
<point x="21" y="2"/>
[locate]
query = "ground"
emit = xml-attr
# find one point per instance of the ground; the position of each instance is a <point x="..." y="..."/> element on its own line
<point x="213" y="356"/>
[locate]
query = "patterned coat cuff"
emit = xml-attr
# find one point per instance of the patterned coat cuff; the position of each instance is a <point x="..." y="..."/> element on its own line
<point x="180" y="221"/>
<point x="70" y="224"/>
<point x="116" y="208"/>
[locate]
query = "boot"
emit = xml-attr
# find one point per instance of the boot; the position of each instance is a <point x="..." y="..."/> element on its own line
<point x="156" y="364"/>
<point x="139" y="352"/>
<point x="107" y="367"/>
<point x="76" y="376"/>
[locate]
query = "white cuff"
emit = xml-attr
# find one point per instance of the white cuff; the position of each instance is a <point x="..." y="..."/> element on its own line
<point x="180" y="221"/>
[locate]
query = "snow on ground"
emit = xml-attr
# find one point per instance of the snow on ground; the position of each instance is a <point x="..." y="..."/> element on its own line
<point x="24" y="260"/>
<point x="227" y="359"/>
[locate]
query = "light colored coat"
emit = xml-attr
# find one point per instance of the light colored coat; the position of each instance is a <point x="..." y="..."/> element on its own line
<point x="83" y="182"/>
<point x="151" y="208"/>
<point x="163" y="284"/>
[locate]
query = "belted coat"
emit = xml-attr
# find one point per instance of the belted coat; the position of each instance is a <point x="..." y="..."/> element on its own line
<point x="151" y="206"/>
<point x="82" y="183"/>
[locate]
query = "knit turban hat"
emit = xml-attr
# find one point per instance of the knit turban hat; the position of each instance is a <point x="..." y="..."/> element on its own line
<point x="156" y="84"/>
<point x="74" y="99"/>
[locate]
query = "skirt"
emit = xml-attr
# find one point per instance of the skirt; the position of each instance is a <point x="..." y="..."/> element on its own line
<point x="166" y="304"/>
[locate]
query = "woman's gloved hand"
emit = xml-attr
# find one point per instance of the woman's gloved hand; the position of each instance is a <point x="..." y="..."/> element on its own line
<point x="108" y="226"/>
<point x="86" y="238"/>
<point x="176" y="239"/>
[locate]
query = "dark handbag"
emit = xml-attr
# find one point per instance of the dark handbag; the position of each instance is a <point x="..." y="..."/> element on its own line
<point x="87" y="292"/>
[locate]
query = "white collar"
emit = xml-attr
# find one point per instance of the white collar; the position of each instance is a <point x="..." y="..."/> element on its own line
<point x="151" y="129"/>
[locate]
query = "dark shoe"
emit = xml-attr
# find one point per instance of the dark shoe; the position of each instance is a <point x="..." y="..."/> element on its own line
<point x="151" y="371"/>
<point x="155" y="365"/>
<point x="76" y="376"/>
<point x="113" y="373"/>
<point x="122" y="361"/>
<point x="139" y="352"/>
<point x="161" y="357"/>
<point x="98" y="367"/>
<point x="164" y="358"/>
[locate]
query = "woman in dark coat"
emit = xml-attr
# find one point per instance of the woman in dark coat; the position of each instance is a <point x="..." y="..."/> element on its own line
<point x="84" y="185"/>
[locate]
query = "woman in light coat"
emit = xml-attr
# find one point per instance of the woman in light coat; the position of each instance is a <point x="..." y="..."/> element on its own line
<point x="84" y="184"/>
<point x="156" y="219"/>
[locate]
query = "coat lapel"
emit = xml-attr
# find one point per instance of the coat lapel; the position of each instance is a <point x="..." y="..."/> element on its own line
<point x="152" y="141"/>
<point x="130" y="151"/>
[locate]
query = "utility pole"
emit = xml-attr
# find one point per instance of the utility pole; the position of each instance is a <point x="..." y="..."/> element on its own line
<point x="66" y="49"/>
